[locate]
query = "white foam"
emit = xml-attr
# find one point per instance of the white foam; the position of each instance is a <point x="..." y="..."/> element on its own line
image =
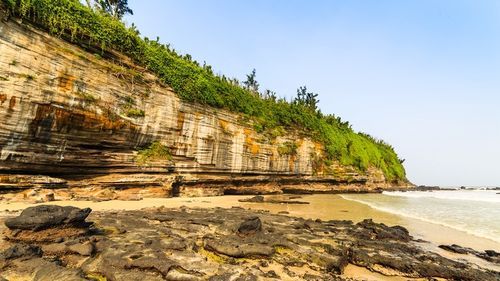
<point x="466" y="195"/>
<point x="433" y="214"/>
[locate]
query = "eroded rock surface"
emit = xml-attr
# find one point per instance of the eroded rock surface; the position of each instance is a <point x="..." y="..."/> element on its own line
<point x="208" y="244"/>
<point x="67" y="112"/>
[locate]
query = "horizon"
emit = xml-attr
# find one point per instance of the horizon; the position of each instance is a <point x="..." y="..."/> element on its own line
<point x="406" y="73"/>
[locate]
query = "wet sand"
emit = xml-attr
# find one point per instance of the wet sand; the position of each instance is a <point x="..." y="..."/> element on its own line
<point x="325" y="207"/>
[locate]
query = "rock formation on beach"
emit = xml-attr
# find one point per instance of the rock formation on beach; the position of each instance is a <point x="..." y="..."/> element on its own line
<point x="213" y="244"/>
<point x="72" y="118"/>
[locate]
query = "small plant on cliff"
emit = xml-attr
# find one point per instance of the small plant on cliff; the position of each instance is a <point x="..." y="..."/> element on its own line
<point x="87" y="97"/>
<point x="154" y="152"/>
<point x="317" y="163"/>
<point x="288" y="148"/>
<point x="135" y="113"/>
<point x="28" y="77"/>
<point x="130" y="110"/>
<point x="13" y="63"/>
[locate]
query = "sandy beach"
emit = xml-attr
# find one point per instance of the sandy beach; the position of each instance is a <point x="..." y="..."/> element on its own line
<point x="324" y="207"/>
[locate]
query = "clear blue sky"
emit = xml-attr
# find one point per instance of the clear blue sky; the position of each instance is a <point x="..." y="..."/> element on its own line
<point x="422" y="75"/>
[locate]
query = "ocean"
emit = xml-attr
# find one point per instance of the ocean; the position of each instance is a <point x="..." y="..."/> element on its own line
<point x="475" y="212"/>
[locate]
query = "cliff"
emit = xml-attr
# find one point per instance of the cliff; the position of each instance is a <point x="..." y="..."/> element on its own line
<point x="83" y="120"/>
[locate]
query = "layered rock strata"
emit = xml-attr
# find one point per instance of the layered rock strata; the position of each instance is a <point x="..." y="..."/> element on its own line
<point x="72" y="114"/>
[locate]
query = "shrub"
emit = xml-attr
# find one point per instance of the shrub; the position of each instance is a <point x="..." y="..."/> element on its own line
<point x="135" y="113"/>
<point x="154" y="152"/>
<point x="288" y="148"/>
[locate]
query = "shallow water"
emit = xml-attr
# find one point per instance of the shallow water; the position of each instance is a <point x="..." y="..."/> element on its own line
<point x="476" y="212"/>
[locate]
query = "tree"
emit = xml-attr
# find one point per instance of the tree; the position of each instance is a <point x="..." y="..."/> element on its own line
<point x="252" y="84"/>
<point x="270" y="95"/>
<point x="306" y="99"/>
<point x="116" y="8"/>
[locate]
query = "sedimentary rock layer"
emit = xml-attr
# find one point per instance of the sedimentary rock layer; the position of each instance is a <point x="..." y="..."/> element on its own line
<point x="69" y="113"/>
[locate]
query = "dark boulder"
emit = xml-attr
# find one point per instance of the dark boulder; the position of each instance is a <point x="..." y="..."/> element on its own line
<point x="372" y="230"/>
<point x="454" y="248"/>
<point x="255" y="199"/>
<point x="492" y="253"/>
<point x="278" y="200"/>
<point x="250" y="226"/>
<point x="489" y="255"/>
<point x="47" y="216"/>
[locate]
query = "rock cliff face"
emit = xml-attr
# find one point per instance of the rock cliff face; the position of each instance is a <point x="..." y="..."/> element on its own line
<point x="71" y="114"/>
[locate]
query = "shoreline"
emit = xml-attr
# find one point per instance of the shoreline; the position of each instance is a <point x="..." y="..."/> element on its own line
<point x="321" y="206"/>
<point x="201" y="237"/>
<point x="479" y="241"/>
<point x="324" y="206"/>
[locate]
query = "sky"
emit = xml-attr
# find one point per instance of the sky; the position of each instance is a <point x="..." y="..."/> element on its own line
<point x="423" y="75"/>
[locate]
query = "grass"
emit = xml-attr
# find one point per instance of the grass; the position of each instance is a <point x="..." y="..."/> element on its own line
<point x="28" y="77"/>
<point x="87" y="97"/>
<point x="96" y="277"/>
<point x="135" y="113"/>
<point x="213" y="256"/>
<point x="154" y="152"/>
<point x="197" y="83"/>
<point x="281" y="250"/>
<point x="130" y="109"/>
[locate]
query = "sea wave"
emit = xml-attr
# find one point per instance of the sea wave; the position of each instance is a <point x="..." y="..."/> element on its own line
<point x="466" y="195"/>
<point x="457" y="225"/>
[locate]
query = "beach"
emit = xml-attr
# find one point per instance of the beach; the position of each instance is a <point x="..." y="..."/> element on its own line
<point x="304" y="235"/>
<point x="324" y="207"/>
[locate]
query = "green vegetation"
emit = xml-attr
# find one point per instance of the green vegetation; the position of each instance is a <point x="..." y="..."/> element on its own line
<point x="13" y="63"/>
<point x="288" y="148"/>
<point x="28" y="77"/>
<point x="251" y="83"/>
<point x="96" y="277"/>
<point x="154" y="152"/>
<point x="87" y="97"/>
<point x="135" y="113"/>
<point x="130" y="110"/>
<point x="115" y="8"/>
<point x="95" y="28"/>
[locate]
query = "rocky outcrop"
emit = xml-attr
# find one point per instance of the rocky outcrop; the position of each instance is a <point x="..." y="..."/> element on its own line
<point x="47" y="216"/>
<point x="228" y="244"/>
<point x="282" y="199"/>
<point x="71" y="114"/>
<point x="489" y="255"/>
